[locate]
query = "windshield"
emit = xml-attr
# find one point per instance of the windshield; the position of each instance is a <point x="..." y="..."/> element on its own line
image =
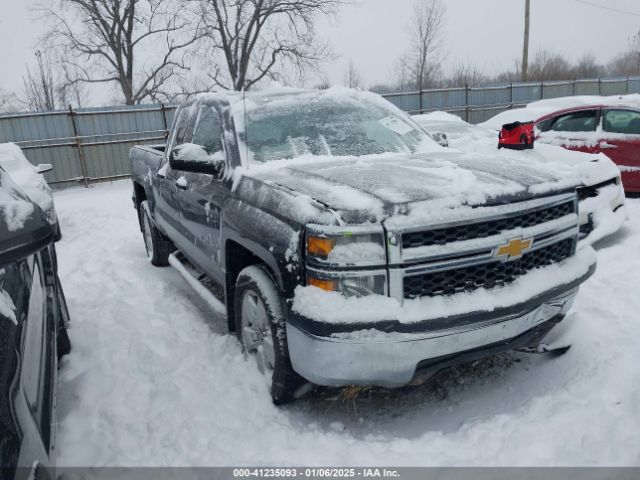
<point x="327" y="124"/>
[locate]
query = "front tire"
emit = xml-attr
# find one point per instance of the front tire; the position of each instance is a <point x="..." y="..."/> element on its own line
<point x="158" y="246"/>
<point x="261" y="329"/>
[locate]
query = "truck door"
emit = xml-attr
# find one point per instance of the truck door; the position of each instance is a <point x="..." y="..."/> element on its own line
<point x="201" y="197"/>
<point x="621" y="143"/>
<point x="34" y="404"/>
<point x="167" y="203"/>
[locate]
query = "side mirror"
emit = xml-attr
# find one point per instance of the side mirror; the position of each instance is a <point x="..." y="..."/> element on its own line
<point x="440" y="138"/>
<point x="190" y="157"/>
<point x="44" y="167"/>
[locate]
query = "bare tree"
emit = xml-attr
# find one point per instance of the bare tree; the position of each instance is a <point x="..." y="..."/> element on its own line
<point x="352" y="76"/>
<point x="325" y="82"/>
<point x="587" y="67"/>
<point x="38" y="86"/>
<point x="422" y="61"/>
<point x="8" y="102"/>
<point x="138" y="45"/>
<point x="628" y="62"/>
<point x="548" y="65"/>
<point x="258" y="39"/>
<point x="465" y="75"/>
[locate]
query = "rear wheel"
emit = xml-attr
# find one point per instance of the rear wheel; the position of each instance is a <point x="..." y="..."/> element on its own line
<point x="158" y="246"/>
<point x="261" y="329"/>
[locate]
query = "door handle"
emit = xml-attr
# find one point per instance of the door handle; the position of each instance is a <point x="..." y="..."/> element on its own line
<point x="606" y="146"/>
<point x="182" y="183"/>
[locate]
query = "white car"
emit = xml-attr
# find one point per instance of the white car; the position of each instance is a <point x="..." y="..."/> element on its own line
<point x="30" y="179"/>
<point x="602" y="208"/>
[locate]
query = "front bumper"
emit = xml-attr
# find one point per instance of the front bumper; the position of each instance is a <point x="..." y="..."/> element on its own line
<point x="372" y="357"/>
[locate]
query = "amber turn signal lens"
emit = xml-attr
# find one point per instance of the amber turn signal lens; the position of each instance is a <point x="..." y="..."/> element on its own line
<point x="320" y="247"/>
<point x="328" y="285"/>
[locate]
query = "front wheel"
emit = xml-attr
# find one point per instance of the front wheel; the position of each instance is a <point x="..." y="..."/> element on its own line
<point x="261" y="329"/>
<point x="157" y="245"/>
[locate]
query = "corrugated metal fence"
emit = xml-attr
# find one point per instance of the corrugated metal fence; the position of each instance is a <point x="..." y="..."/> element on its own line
<point x="477" y="104"/>
<point x="86" y="145"/>
<point x="92" y="144"/>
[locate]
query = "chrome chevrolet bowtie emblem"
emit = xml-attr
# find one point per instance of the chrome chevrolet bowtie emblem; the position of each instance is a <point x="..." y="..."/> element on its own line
<point x="514" y="248"/>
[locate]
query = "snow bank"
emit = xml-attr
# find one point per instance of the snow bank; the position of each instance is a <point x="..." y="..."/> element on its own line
<point x="535" y="110"/>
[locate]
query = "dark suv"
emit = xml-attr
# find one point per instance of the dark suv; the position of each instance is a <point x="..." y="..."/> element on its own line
<point x="33" y="335"/>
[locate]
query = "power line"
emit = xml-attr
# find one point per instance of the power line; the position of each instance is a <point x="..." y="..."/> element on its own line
<point x="608" y="8"/>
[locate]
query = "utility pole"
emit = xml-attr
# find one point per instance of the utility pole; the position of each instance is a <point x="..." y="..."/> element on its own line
<point x="525" y="49"/>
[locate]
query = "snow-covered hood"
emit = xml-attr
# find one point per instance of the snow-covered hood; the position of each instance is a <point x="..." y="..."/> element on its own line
<point x="369" y="189"/>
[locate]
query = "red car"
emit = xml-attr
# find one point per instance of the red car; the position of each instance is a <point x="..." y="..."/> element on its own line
<point x="608" y="129"/>
<point x="516" y="136"/>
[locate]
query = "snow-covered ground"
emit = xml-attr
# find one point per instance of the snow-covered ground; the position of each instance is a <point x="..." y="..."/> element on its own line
<point x="153" y="379"/>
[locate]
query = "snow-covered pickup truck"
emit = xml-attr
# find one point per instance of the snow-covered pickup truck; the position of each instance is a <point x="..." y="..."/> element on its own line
<point x="345" y="247"/>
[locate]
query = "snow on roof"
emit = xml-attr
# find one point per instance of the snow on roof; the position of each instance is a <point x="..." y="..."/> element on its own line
<point x="15" y="208"/>
<point x="535" y="110"/>
<point x="438" y="116"/>
<point x="23" y="173"/>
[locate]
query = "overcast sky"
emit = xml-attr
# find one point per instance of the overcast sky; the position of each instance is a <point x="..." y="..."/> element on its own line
<point x="487" y="33"/>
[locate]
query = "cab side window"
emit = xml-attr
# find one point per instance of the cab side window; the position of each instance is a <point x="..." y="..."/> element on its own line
<point x="208" y="130"/>
<point x="181" y="128"/>
<point x="583" y="121"/>
<point x="622" y="121"/>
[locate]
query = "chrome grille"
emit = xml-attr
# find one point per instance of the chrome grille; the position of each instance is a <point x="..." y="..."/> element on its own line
<point x="484" y="275"/>
<point x="484" y="229"/>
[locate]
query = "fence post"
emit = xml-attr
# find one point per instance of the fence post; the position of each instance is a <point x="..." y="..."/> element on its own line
<point x="420" y="105"/>
<point x="164" y="120"/>
<point x="511" y="95"/>
<point x="599" y="86"/>
<point x="83" y="165"/>
<point x="628" y="86"/>
<point x="542" y="90"/>
<point x="466" y="103"/>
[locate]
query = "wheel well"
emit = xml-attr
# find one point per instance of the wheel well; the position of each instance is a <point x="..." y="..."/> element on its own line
<point x="237" y="258"/>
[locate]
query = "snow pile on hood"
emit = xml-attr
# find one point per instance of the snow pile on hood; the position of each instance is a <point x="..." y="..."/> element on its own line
<point x="13" y="161"/>
<point x="420" y="189"/>
<point x="535" y="110"/>
<point x="333" y="307"/>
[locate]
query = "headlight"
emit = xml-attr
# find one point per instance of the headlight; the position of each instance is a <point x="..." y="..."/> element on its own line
<point x="340" y="246"/>
<point x="349" y="283"/>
